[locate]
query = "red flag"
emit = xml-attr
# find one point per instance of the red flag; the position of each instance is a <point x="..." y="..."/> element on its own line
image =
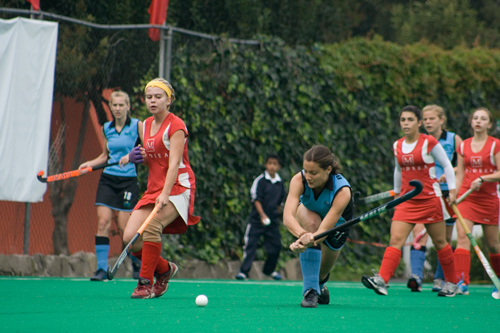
<point x="157" y="15"/>
<point x="35" y="4"/>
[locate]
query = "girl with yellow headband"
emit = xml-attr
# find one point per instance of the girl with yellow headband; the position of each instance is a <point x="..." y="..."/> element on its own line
<point x="171" y="186"/>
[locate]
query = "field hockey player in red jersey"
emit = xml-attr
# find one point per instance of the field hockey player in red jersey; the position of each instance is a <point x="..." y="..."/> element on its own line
<point x="434" y="121"/>
<point x="319" y="199"/>
<point x="415" y="154"/>
<point x="478" y="168"/>
<point x="171" y="186"/>
<point x="118" y="189"/>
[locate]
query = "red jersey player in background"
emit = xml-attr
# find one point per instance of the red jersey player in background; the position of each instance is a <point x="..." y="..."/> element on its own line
<point x="415" y="154"/>
<point x="478" y="167"/>
<point x="171" y="186"/>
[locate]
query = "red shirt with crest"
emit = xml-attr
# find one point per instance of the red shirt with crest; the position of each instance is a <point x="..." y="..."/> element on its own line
<point x="480" y="206"/>
<point x="157" y="148"/>
<point x="426" y="207"/>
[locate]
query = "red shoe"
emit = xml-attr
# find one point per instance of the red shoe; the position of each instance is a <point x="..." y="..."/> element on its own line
<point x="161" y="285"/>
<point x="143" y="290"/>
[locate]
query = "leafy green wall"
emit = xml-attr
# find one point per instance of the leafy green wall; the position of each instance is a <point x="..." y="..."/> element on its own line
<point x="242" y="102"/>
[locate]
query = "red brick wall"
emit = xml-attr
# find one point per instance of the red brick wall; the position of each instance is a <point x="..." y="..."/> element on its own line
<point x="82" y="218"/>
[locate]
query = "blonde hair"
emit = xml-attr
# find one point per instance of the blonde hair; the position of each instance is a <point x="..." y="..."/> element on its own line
<point x="439" y="111"/>
<point x="119" y="93"/>
<point x="169" y="91"/>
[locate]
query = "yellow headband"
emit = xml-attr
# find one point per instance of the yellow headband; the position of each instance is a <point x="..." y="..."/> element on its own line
<point x="161" y="85"/>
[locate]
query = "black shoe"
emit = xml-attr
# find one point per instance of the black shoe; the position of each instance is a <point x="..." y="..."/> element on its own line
<point x="136" y="270"/>
<point x="324" y="297"/>
<point x="415" y="283"/>
<point x="100" y="275"/>
<point x="310" y="299"/>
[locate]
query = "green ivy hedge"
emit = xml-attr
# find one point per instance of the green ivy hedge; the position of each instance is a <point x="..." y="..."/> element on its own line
<point x="242" y="102"/>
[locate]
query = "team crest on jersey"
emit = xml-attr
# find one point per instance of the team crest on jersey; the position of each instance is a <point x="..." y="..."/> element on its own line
<point x="408" y="160"/>
<point x="476" y="161"/>
<point x="150" y="145"/>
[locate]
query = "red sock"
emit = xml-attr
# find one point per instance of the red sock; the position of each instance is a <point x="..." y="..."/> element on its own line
<point x="138" y="254"/>
<point x="162" y="266"/>
<point x="446" y="259"/>
<point x="390" y="262"/>
<point x="462" y="264"/>
<point x="495" y="263"/>
<point x="150" y="255"/>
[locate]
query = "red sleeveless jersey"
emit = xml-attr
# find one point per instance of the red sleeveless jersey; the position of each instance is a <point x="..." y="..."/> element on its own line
<point x="427" y="207"/>
<point x="480" y="206"/>
<point x="157" y="148"/>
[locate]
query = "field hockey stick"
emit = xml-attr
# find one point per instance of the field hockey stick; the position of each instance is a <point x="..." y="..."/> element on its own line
<point x="376" y="211"/>
<point x="71" y="174"/>
<point x="112" y="271"/>
<point x="421" y="234"/>
<point x="375" y="197"/>
<point x="479" y="253"/>
<point x="459" y="200"/>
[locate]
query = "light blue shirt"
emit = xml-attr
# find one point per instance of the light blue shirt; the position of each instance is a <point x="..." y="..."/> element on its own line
<point x="119" y="145"/>
<point x="323" y="203"/>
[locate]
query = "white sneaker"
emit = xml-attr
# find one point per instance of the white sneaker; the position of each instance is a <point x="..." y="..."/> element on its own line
<point x="241" y="276"/>
<point x="438" y="285"/>
<point x="376" y="283"/>
<point x="449" y="289"/>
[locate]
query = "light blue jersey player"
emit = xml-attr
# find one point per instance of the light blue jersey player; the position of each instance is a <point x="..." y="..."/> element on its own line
<point x="118" y="189"/>
<point x="318" y="200"/>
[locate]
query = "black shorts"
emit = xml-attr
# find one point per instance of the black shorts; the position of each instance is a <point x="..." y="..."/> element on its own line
<point x="118" y="193"/>
<point x="336" y="241"/>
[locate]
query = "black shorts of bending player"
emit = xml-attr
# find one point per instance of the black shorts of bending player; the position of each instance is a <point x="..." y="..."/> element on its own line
<point x="336" y="241"/>
<point x="118" y="193"/>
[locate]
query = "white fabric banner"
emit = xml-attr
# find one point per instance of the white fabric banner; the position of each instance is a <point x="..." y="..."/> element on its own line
<point x="27" y="65"/>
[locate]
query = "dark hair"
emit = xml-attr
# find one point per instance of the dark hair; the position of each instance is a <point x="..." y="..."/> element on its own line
<point x="490" y="116"/>
<point x="412" y="108"/>
<point x="323" y="157"/>
<point x="273" y="156"/>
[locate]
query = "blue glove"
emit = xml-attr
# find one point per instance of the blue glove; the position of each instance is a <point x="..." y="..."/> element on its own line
<point x="135" y="155"/>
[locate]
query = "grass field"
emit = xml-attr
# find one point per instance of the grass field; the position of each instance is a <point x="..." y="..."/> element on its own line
<point x="78" y="305"/>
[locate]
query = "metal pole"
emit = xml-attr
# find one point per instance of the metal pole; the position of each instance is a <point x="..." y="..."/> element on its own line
<point x="27" y="215"/>
<point x="161" y="59"/>
<point x="169" y="55"/>
<point x="27" y="205"/>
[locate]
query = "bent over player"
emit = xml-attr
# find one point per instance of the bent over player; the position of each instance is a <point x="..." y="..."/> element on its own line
<point x="319" y="199"/>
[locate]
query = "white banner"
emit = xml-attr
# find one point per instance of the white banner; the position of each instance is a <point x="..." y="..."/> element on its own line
<point x="27" y="65"/>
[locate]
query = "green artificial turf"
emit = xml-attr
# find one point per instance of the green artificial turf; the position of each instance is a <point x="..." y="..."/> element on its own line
<point x="79" y="305"/>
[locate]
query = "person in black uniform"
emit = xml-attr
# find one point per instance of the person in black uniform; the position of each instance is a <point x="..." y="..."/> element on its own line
<point x="268" y="193"/>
